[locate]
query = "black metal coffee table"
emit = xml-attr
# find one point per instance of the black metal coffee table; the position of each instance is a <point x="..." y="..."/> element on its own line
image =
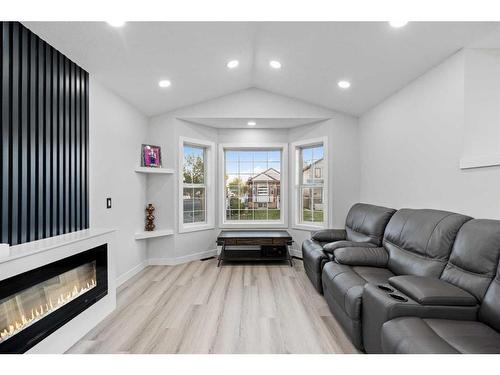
<point x="250" y="245"/>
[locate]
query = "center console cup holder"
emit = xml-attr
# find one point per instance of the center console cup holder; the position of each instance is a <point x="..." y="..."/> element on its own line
<point x="398" y="298"/>
<point x="385" y="288"/>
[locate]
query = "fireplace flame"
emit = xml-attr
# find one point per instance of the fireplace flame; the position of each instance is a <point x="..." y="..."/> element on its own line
<point x="44" y="309"/>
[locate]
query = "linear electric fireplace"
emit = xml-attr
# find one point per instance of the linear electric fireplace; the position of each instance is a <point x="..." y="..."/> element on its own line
<point x="36" y="303"/>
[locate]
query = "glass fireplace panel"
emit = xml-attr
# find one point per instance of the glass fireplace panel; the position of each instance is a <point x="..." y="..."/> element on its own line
<point x="21" y="310"/>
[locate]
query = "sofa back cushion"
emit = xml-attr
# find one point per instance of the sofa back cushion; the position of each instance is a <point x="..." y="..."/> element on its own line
<point x="474" y="257"/>
<point x="489" y="312"/>
<point x="366" y="223"/>
<point x="419" y="242"/>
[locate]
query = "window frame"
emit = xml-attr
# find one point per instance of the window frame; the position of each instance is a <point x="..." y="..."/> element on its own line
<point x="209" y="222"/>
<point x="256" y="224"/>
<point x="296" y="205"/>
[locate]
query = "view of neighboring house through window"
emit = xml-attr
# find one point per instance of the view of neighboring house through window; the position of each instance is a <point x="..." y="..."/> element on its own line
<point x="194" y="184"/>
<point x="252" y="185"/>
<point x="311" y="184"/>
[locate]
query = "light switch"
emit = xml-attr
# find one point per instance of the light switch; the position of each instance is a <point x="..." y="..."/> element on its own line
<point x="108" y="203"/>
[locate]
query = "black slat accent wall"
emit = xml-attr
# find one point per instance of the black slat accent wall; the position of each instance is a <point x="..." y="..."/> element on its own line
<point x="44" y="139"/>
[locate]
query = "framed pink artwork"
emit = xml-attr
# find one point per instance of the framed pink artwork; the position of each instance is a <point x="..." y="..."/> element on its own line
<point x="151" y="156"/>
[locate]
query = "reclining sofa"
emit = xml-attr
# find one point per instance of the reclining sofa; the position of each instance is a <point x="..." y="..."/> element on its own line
<point x="457" y="313"/>
<point x="433" y="286"/>
<point x="364" y="227"/>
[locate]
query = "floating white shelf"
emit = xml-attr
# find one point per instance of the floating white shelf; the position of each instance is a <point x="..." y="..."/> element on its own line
<point x="154" y="170"/>
<point x="152" y="234"/>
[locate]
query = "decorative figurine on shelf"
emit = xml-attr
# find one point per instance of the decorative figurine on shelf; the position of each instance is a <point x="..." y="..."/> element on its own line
<point x="150" y="218"/>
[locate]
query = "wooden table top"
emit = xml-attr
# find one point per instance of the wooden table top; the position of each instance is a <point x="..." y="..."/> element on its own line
<point x="254" y="234"/>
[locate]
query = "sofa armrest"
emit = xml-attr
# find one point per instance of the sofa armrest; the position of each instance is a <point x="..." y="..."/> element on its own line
<point x="429" y="291"/>
<point x="332" y="246"/>
<point x="329" y="235"/>
<point x="313" y="250"/>
<point x="314" y="259"/>
<point x="362" y="256"/>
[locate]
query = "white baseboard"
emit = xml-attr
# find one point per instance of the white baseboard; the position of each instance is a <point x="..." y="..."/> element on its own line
<point x="180" y="260"/>
<point x="296" y="253"/>
<point x="131" y="273"/>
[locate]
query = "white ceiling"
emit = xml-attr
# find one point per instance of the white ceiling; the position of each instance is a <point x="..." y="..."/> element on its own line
<point x="377" y="59"/>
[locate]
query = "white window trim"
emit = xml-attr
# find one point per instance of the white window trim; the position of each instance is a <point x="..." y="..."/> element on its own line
<point x="209" y="183"/>
<point x="294" y="147"/>
<point x="283" y="223"/>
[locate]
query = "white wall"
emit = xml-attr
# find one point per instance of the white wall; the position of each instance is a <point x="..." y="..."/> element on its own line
<point x="166" y="129"/>
<point x="482" y="107"/>
<point x="116" y="132"/>
<point x="411" y="145"/>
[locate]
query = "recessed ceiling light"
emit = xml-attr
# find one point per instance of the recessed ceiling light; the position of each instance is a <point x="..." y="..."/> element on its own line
<point x="116" y="23"/>
<point x="398" y="24"/>
<point x="275" y="64"/>
<point x="251" y="123"/>
<point x="344" y="84"/>
<point x="232" y="64"/>
<point x="164" y="83"/>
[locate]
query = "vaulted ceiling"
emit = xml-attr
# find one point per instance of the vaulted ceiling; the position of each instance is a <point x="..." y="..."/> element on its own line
<point x="377" y="59"/>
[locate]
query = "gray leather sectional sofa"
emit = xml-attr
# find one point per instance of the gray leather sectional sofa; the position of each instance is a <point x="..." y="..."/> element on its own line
<point x="431" y="285"/>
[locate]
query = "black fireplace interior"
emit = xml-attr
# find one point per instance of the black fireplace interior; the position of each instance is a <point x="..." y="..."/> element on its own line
<point x="36" y="303"/>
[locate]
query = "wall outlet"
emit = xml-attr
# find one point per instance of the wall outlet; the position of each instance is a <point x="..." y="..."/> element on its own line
<point x="108" y="203"/>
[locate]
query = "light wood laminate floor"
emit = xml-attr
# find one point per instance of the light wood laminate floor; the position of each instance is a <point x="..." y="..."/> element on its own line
<point x="237" y="308"/>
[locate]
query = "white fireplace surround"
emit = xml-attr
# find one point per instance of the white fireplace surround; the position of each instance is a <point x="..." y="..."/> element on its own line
<point x="25" y="257"/>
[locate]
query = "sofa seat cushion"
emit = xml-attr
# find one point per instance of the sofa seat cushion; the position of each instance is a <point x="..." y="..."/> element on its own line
<point x="411" y="335"/>
<point x="332" y="246"/>
<point x="345" y="284"/>
<point x="374" y="275"/>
